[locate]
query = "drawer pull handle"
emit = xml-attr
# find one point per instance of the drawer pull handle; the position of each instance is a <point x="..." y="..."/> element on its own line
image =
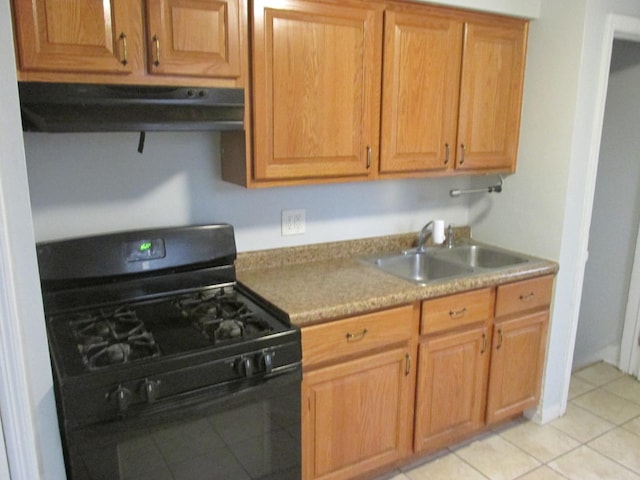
<point x="458" y="313"/>
<point x="464" y="152"/>
<point x="447" y="150"/>
<point x="356" y="336"/>
<point x="484" y="343"/>
<point x="124" y="60"/>
<point x="499" y="339"/>
<point x="368" y="157"/>
<point x="156" y="43"/>
<point x="528" y="297"/>
<point x="407" y="365"/>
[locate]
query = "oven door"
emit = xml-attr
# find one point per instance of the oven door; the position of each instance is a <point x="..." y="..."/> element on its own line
<point x="236" y="434"/>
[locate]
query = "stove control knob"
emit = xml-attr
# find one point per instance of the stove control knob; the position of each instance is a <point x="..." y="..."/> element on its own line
<point x="150" y="389"/>
<point x="266" y="360"/>
<point x="244" y="366"/>
<point x="122" y="397"/>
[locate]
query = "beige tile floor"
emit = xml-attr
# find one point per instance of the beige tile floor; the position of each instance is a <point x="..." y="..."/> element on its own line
<point x="598" y="438"/>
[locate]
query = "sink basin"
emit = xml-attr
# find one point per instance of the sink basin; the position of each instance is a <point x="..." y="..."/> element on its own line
<point x="419" y="267"/>
<point x="481" y="256"/>
<point x="437" y="263"/>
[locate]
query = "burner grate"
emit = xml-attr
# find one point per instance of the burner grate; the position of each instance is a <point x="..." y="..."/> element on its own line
<point x="112" y="337"/>
<point x="221" y="317"/>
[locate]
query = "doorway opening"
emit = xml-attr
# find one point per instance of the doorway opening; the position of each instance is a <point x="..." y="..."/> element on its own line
<point x="609" y="317"/>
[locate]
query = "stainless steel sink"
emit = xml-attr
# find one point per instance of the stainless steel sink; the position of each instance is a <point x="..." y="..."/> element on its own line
<point x="419" y="267"/>
<point x="436" y="263"/>
<point x="481" y="256"/>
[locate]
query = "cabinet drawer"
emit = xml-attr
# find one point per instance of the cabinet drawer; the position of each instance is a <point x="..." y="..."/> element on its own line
<point x="328" y="341"/>
<point x="524" y="295"/>
<point x="456" y="310"/>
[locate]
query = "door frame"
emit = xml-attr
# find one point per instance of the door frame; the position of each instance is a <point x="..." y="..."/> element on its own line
<point x="629" y="361"/>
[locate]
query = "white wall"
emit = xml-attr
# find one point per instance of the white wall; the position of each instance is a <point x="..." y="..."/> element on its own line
<point x="27" y="403"/>
<point x="94" y="183"/>
<point x="615" y="217"/>
<point x="549" y="201"/>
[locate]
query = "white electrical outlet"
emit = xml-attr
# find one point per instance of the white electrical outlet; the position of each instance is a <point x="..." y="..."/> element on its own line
<point x="293" y="222"/>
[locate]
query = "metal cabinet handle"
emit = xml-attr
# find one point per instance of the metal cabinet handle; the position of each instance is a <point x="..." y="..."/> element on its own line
<point x="464" y="151"/>
<point x="356" y="336"/>
<point x="458" y="313"/>
<point x="499" y="339"/>
<point x="368" y="157"/>
<point x="484" y="343"/>
<point x="528" y="297"/>
<point x="156" y="44"/>
<point x="447" y="152"/>
<point x="125" y="53"/>
<point x="407" y="364"/>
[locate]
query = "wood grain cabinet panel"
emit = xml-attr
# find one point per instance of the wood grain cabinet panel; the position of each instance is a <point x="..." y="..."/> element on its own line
<point x="452" y="91"/>
<point x="193" y="37"/>
<point x="517" y="360"/>
<point x="451" y="387"/>
<point x="454" y="311"/>
<point x="184" y="42"/>
<point x="351" y="336"/>
<point x="533" y="294"/>
<point x="355" y="415"/>
<point x="330" y="107"/>
<point x="519" y="346"/>
<point x="78" y="35"/>
<point x="358" y="393"/>
<point x="491" y="95"/>
<point x="422" y="52"/>
<point x="316" y="82"/>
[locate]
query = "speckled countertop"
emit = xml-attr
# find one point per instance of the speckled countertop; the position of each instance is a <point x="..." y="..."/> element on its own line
<point x="324" y="282"/>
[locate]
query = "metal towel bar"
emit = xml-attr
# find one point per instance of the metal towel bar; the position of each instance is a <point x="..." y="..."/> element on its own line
<point x="489" y="189"/>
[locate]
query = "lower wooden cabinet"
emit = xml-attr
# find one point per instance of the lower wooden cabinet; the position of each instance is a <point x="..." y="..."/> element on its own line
<point x="381" y="388"/>
<point x="453" y="361"/>
<point x="519" y="346"/>
<point x="357" y="405"/>
<point x="451" y="386"/>
<point x="355" y="417"/>
<point x="517" y="359"/>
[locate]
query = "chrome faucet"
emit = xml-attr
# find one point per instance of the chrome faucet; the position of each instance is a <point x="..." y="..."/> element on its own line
<point x="450" y="237"/>
<point x="424" y="234"/>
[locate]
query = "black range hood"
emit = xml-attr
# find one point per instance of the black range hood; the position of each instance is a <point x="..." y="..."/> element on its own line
<point x="75" y="107"/>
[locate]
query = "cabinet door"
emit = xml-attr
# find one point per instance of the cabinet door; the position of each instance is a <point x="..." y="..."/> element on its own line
<point x="517" y="359"/>
<point x="451" y="387"/>
<point x="316" y="69"/>
<point x="491" y="95"/>
<point x="193" y="37"/>
<point x="356" y="415"/>
<point x="420" y="90"/>
<point x="78" y="35"/>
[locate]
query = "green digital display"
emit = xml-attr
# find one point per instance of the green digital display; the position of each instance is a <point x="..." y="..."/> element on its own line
<point x="143" y="250"/>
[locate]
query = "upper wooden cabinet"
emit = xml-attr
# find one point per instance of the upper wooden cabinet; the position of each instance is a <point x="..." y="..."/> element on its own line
<point x="491" y="95"/>
<point x="452" y="91"/>
<point x="77" y="35"/>
<point x="329" y="106"/>
<point x="93" y="41"/>
<point x="422" y="52"/>
<point x="316" y="87"/>
<point x="193" y="37"/>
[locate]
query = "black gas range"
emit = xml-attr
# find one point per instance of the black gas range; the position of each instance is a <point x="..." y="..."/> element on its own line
<point x="155" y="346"/>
